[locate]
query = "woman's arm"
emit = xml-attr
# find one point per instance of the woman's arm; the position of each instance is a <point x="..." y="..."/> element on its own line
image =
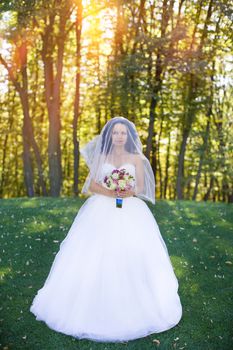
<point x="139" y="174"/>
<point x="97" y="188"/>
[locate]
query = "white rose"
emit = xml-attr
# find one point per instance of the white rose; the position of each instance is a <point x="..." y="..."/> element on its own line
<point x="122" y="184"/>
<point x="131" y="182"/>
<point x="113" y="186"/>
<point x="115" y="176"/>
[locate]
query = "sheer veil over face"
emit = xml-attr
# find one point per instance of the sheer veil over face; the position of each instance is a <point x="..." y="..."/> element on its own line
<point x="119" y="145"/>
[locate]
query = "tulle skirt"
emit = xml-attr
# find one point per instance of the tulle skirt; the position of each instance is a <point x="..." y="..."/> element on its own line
<point x="112" y="279"/>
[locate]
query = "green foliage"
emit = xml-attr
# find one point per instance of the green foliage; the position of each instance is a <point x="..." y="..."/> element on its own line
<point x="130" y="54"/>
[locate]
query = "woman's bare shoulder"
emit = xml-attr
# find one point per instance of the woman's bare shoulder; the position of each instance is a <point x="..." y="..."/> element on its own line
<point x="134" y="159"/>
<point x="137" y="159"/>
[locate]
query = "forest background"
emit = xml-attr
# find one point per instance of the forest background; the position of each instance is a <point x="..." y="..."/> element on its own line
<point x="68" y="66"/>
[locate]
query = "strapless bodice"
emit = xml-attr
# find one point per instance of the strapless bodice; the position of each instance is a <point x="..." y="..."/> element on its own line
<point x="107" y="168"/>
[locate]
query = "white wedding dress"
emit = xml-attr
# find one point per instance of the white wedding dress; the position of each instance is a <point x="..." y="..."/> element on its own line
<point x="112" y="279"/>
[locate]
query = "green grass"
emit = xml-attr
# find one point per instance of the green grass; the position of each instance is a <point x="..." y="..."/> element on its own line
<point x="199" y="239"/>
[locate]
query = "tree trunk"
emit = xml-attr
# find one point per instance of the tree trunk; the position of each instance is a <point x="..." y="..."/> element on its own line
<point x="5" y="143"/>
<point x="198" y="176"/>
<point x="28" y="132"/>
<point x="52" y="92"/>
<point x="188" y="121"/>
<point x="153" y="104"/>
<point x="167" y="166"/>
<point x="29" y="127"/>
<point x="206" y="136"/>
<point x="180" y="174"/>
<point x="78" y="30"/>
<point x="159" y="162"/>
<point x="159" y="67"/>
<point x="190" y="114"/>
<point x="207" y="195"/>
<point x="230" y="195"/>
<point x="154" y="157"/>
<point x="27" y="163"/>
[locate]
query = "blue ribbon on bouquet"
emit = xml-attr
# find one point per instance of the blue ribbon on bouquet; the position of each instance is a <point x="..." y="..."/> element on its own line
<point x="119" y="202"/>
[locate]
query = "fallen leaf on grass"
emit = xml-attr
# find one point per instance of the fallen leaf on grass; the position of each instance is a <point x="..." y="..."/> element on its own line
<point x="228" y="262"/>
<point x="156" y="341"/>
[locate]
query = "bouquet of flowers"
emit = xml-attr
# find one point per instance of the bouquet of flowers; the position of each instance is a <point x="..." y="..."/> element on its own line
<point x="119" y="180"/>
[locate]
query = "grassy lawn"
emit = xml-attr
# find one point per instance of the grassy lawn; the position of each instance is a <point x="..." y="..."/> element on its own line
<point x="199" y="238"/>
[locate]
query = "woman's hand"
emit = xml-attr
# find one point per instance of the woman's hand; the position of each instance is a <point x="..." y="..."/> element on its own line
<point x="124" y="194"/>
<point x="98" y="188"/>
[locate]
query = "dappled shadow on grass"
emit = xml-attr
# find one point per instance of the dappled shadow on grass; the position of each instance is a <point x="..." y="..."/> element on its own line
<point x="199" y="243"/>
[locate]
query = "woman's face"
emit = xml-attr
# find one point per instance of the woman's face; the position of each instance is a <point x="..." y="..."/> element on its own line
<point x="119" y="134"/>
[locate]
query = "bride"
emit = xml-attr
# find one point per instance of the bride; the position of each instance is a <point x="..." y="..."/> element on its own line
<point x="112" y="279"/>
